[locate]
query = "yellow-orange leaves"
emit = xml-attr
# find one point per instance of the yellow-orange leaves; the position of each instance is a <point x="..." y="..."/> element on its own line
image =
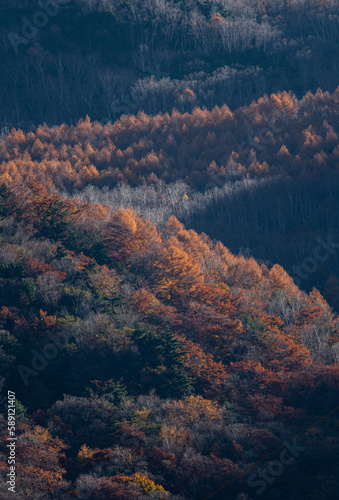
<point x="193" y="409"/>
<point x="176" y="275"/>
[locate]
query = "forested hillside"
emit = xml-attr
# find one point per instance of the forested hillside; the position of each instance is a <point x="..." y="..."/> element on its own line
<point x="99" y="308"/>
<point x="169" y="249"/>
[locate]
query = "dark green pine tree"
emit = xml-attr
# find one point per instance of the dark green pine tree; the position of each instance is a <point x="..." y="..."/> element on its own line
<point x="55" y="220"/>
<point x="159" y="363"/>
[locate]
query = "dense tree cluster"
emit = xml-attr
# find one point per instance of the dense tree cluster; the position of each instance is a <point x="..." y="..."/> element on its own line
<point x="155" y="363"/>
<point x="275" y="135"/>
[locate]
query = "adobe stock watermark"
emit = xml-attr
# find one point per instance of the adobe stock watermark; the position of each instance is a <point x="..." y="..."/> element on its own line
<point x="266" y="476"/>
<point x="40" y="360"/>
<point x="310" y="264"/>
<point x="40" y="19"/>
<point x="11" y="461"/>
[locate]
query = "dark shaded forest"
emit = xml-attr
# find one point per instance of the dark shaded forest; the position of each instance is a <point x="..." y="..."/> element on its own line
<point x="65" y="59"/>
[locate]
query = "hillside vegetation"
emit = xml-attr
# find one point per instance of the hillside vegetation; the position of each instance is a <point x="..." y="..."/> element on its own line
<point x="99" y="308"/>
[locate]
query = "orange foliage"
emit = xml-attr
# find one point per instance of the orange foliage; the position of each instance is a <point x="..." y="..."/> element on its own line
<point x="194" y="146"/>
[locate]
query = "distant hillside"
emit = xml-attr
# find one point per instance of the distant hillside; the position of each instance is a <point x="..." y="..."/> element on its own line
<point x="65" y="59"/>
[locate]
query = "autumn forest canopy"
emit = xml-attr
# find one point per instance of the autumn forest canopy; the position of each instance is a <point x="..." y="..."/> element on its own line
<point x="169" y="249"/>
